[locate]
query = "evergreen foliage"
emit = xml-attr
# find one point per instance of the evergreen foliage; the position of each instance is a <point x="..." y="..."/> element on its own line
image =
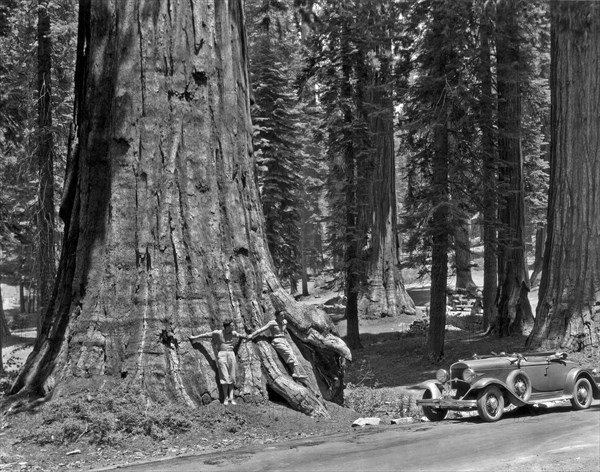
<point x="18" y="128"/>
<point x="275" y="135"/>
<point x="440" y="90"/>
<point x="279" y="124"/>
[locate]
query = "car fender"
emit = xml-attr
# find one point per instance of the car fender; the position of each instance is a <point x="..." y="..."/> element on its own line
<point x="575" y="374"/>
<point x="487" y="381"/>
<point x="433" y="386"/>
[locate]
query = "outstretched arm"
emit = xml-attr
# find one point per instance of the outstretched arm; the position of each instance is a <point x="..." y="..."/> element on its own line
<point x="203" y="335"/>
<point x="261" y="330"/>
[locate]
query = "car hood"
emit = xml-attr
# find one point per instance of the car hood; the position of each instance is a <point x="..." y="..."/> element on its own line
<point x="484" y="364"/>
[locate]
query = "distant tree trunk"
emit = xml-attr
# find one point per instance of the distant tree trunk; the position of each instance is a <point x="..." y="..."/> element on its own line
<point x="352" y="262"/>
<point x="440" y="245"/>
<point x="45" y="151"/>
<point x="22" y="307"/>
<point x="514" y="309"/>
<point x="540" y="243"/>
<point x="568" y="312"/>
<point x="4" y="329"/>
<point x="351" y="259"/>
<point x="304" y="248"/>
<point x="385" y="294"/>
<point x="164" y="233"/>
<point x="464" y="279"/>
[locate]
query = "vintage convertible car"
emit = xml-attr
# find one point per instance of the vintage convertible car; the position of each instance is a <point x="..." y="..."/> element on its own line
<point x="491" y="383"/>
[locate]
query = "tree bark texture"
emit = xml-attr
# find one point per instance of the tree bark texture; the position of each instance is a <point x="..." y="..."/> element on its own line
<point x="489" y="177"/>
<point x="514" y="309"/>
<point x="568" y="312"/>
<point x="440" y="244"/>
<point x="352" y="262"/>
<point x="540" y="244"/>
<point x="464" y="279"/>
<point x="164" y="234"/>
<point x="385" y="294"/>
<point x="45" y="151"/>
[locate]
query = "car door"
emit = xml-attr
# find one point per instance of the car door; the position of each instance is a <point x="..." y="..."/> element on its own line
<point x="556" y="375"/>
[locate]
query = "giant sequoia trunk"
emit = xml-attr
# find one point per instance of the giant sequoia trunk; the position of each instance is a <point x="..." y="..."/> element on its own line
<point x="568" y="313"/>
<point x="514" y="309"/>
<point x="163" y="226"/>
<point x="385" y="294"/>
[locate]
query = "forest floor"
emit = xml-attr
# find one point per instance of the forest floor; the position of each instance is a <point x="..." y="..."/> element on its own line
<point x="79" y="436"/>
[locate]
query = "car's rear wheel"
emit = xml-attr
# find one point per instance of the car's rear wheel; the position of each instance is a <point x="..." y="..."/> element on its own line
<point x="433" y="414"/>
<point x="582" y="394"/>
<point x="518" y="381"/>
<point x="490" y="404"/>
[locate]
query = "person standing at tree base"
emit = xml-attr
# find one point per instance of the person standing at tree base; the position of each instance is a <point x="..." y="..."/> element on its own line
<point x="278" y="328"/>
<point x="225" y="340"/>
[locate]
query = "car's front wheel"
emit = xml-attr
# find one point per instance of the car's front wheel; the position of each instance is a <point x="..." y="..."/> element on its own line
<point x="582" y="394"/>
<point x="490" y="403"/>
<point x="433" y="414"/>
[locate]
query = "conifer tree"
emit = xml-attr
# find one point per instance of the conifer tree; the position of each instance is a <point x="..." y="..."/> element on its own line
<point x="439" y="132"/>
<point x="352" y="58"/>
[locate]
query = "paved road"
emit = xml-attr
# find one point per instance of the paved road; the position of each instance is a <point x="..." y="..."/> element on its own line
<point x="547" y="440"/>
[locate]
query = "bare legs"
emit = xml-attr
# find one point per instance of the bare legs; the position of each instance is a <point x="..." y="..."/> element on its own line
<point x="228" y="394"/>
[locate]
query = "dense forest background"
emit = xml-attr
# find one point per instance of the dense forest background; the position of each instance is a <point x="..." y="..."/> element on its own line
<point x="391" y="139"/>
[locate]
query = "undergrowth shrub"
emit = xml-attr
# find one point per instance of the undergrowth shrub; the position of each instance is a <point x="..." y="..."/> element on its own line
<point x="369" y="401"/>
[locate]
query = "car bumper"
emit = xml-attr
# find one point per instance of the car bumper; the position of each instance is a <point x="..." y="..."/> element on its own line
<point x="448" y="403"/>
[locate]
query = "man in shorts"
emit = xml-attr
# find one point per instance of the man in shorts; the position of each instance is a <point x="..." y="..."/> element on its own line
<point x="225" y="340"/>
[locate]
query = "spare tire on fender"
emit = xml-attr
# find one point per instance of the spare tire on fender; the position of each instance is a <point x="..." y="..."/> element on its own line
<point x="519" y="384"/>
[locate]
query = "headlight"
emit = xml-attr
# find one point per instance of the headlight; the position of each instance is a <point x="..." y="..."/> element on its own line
<point x="469" y="375"/>
<point x="442" y="376"/>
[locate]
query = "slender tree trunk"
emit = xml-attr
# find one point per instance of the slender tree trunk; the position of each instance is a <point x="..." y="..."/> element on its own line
<point x="514" y="309"/>
<point x="304" y="248"/>
<point x="568" y="312"/>
<point x="164" y="233"/>
<point x="540" y="243"/>
<point x="440" y="246"/>
<point x="45" y="213"/>
<point x="22" y="307"/>
<point x="352" y="261"/>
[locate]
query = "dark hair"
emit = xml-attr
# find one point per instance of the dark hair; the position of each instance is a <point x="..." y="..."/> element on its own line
<point x="280" y="312"/>
<point x="227" y="322"/>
